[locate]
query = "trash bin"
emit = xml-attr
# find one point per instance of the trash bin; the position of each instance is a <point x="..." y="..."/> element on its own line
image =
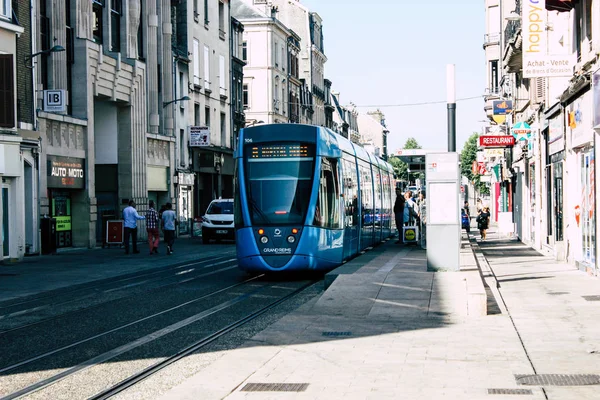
<point x="48" y="227"/>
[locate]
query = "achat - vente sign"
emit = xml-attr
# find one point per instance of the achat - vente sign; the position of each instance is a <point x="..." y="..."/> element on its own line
<point x="66" y="172"/>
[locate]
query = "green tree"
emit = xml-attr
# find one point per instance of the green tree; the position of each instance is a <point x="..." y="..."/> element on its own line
<point x="467" y="156"/>
<point x="400" y="167"/>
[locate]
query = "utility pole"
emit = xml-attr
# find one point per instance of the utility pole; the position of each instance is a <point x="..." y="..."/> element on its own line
<point x="451" y="99"/>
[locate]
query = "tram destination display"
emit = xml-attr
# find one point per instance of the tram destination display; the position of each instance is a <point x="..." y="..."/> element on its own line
<point x="280" y="150"/>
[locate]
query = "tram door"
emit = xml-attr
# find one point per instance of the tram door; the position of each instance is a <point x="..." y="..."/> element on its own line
<point x="351" y="210"/>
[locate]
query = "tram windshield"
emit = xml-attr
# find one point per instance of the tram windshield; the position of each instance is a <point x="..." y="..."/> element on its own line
<point x="279" y="181"/>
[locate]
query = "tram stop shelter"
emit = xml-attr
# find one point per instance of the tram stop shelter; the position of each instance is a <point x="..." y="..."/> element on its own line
<point x="440" y="215"/>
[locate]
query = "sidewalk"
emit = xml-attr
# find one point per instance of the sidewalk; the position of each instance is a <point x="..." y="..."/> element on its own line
<point x="78" y="266"/>
<point x="393" y="330"/>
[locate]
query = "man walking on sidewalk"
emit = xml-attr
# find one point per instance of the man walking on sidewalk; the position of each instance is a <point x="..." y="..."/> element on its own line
<point x="130" y="218"/>
<point x="152" y="228"/>
<point x="169" y="220"/>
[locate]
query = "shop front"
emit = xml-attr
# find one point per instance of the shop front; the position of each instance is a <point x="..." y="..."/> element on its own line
<point x="554" y="170"/>
<point x="581" y="191"/>
<point x="65" y="182"/>
<point x="185" y="202"/>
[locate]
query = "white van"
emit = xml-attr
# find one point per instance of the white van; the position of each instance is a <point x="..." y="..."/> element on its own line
<point x="217" y="222"/>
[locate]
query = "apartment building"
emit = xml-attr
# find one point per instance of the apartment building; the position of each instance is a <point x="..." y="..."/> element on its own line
<point x="203" y="99"/>
<point x="267" y="72"/>
<point x="542" y="66"/>
<point x="18" y="142"/>
<point x="106" y="137"/>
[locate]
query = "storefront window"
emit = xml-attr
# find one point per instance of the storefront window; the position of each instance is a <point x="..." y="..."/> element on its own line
<point x="532" y="190"/>
<point x="588" y="205"/>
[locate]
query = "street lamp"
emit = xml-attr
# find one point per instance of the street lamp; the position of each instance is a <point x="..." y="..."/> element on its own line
<point x="175" y="101"/>
<point x="54" y="49"/>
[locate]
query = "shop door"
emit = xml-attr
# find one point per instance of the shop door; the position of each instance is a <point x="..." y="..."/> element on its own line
<point x="558" y="202"/>
<point x="5" y="222"/>
<point x="185" y="210"/>
<point x="61" y="211"/>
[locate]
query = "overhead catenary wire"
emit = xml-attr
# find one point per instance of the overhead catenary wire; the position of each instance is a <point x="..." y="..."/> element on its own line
<point x="425" y="103"/>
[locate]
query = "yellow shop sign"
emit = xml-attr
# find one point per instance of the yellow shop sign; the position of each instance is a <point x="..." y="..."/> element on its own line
<point x="63" y="223"/>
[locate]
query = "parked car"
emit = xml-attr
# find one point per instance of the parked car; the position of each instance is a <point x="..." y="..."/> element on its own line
<point x="217" y="222"/>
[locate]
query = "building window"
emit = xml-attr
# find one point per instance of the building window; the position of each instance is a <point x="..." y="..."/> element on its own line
<point x="276" y="54"/>
<point x="7" y="93"/>
<point x="245" y="51"/>
<point x="5" y="9"/>
<point x="45" y="43"/>
<point x="115" y="25"/>
<point x="196" y="61"/>
<point x="206" y="68"/>
<point x="221" y="20"/>
<point x="140" y="34"/>
<point x="222" y="76"/>
<point x="207" y="116"/>
<point x="97" y="22"/>
<point x="181" y="86"/>
<point x="196" y="10"/>
<point x="245" y="96"/>
<point x="276" y="97"/>
<point x="223" y="130"/>
<point x="283" y="58"/>
<point x="494" y="76"/>
<point x="196" y="114"/>
<point x="70" y="56"/>
<point x="182" y="144"/>
<point x="206" y="11"/>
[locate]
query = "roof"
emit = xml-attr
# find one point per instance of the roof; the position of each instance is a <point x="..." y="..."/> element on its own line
<point x="242" y="10"/>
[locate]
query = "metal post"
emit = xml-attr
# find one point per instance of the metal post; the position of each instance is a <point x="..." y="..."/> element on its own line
<point x="451" y="99"/>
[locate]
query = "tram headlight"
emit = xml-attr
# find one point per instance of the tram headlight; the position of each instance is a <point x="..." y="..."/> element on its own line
<point x="291" y="239"/>
<point x="294" y="231"/>
<point x="261" y="231"/>
<point x="264" y="240"/>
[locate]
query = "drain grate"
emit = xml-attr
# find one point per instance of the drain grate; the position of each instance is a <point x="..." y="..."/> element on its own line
<point x="592" y="298"/>
<point x="275" y="387"/>
<point x="557" y="380"/>
<point x="337" y="334"/>
<point x="557" y="293"/>
<point x="510" y="391"/>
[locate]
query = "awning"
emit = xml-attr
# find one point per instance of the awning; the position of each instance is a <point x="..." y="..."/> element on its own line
<point x="560" y="5"/>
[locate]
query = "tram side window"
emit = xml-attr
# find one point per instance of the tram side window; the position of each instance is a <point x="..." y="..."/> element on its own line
<point x="366" y="191"/>
<point x="327" y="213"/>
<point x="350" y="193"/>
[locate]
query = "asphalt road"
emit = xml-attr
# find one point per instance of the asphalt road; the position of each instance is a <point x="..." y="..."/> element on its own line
<point x="79" y="341"/>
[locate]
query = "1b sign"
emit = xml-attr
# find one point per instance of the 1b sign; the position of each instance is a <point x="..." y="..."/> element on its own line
<point x="55" y="100"/>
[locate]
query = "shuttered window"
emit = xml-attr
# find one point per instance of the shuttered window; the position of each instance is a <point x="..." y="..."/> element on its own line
<point x="7" y="92"/>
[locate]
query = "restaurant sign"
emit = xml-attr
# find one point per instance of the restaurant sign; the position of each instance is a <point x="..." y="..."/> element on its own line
<point x="66" y="172"/>
<point x="496" y="141"/>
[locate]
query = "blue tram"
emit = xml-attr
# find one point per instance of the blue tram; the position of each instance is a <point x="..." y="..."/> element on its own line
<point x="307" y="198"/>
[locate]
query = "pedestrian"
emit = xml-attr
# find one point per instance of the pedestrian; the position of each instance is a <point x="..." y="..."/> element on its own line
<point x="399" y="213"/>
<point x="152" y="228"/>
<point x="130" y="218"/>
<point x="483" y="222"/>
<point x="479" y="205"/>
<point x="169" y="220"/>
<point x="411" y="212"/>
<point x="467" y="209"/>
